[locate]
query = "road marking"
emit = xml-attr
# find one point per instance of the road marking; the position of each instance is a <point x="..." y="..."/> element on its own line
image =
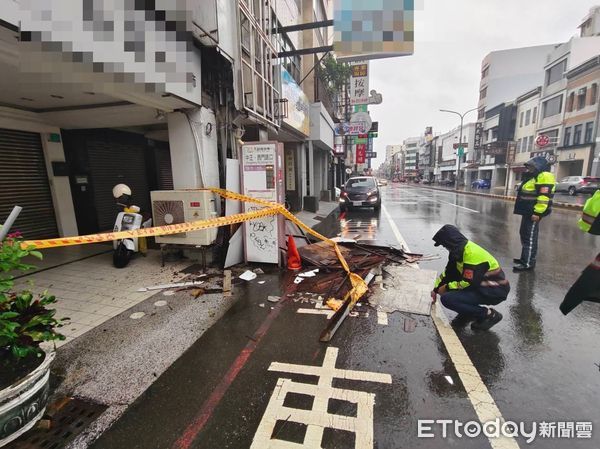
<point x="394" y="228"/>
<point x="329" y="312"/>
<point x="317" y="419"/>
<point x="480" y="397"/>
<point x="456" y="205"/>
<point x="382" y="318"/>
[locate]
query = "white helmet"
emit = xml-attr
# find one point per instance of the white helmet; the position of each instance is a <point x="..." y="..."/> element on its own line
<point x="121" y="189"/>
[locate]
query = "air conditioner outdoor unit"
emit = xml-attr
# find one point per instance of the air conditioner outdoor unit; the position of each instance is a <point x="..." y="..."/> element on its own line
<point x="182" y="206"/>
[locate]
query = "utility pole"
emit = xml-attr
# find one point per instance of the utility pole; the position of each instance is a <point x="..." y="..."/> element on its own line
<point x="462" y="116"/>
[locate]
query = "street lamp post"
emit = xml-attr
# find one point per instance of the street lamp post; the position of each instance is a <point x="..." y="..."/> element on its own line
<point x="462" y="116"/>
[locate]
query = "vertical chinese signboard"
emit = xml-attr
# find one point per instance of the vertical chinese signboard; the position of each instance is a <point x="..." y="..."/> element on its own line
<point x="262" y="178"/>
<point x="361" y="153"/>
<point x="359" y="83"/>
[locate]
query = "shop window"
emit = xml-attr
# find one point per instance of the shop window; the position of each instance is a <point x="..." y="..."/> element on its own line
<point x="577" y="134"/>
<point x="567" y="138"/>
<point x="589" y="129"/>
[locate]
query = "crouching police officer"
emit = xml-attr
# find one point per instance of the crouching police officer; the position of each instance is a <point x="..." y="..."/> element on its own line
<point x="587" y="287"/>
<point x="472" y="277"/>
<point x="534" y="201"/>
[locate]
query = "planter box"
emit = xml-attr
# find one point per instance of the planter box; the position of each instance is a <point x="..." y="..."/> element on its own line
<point x="23" y="404"/>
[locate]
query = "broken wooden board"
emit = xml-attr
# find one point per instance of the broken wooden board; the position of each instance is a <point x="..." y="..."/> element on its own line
<point x="407" y="289"/>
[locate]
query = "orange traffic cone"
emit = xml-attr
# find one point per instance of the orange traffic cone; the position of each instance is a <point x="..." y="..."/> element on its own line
<point x="293" y="255"/>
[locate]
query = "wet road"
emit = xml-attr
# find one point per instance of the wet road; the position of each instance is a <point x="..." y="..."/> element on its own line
<point x="255" y="376"/>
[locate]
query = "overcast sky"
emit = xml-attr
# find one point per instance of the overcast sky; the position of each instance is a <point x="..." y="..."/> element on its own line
<point x="451" y="39"/>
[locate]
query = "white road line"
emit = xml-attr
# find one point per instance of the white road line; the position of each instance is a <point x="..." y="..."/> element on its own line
<point x="328" y="312"/>
<point x="461" y="207"/>
<point x="395" y="230"/>
<point x="480" y="397"/>
<point x="382" y="318"/>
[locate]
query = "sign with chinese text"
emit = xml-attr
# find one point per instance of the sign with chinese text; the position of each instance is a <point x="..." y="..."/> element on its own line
<point x="359" y="83"/>
<point x="371" y="155"/>
<point x="361" y="153"/>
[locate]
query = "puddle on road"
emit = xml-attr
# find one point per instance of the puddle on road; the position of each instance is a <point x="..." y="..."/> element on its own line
<point x="361" y="226"/>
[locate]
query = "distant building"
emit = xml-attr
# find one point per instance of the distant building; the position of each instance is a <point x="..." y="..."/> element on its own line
<point x="411" y="159"/>
<point x="525" y="133"/>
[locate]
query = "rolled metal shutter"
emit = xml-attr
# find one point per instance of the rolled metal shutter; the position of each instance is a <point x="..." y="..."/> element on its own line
<point x="114" y="163"/>
<point x="164" y="169"/>
<point x="24" y="182"/>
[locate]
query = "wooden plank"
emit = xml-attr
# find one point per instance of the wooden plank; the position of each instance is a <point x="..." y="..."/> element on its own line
<point x="227" y="283"/>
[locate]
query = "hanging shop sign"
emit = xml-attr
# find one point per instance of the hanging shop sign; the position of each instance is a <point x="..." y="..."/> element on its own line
<point x="371" y="30"/>
<point x="361" y="153"/>
<point x="298" y="103"/>
<point x="360" y="123"/>
<point x="359" y="83"/>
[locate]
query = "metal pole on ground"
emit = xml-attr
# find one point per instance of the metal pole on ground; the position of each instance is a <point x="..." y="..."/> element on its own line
<point x="9" y="222"/>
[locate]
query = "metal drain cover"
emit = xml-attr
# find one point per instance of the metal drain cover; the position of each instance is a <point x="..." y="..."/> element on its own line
<point x="70" y="417"/>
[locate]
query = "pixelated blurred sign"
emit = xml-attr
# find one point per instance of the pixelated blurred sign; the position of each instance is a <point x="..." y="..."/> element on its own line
<point x="373" y="29"/>
<point x="359" y="83"/>
<point x="360" y="123"/>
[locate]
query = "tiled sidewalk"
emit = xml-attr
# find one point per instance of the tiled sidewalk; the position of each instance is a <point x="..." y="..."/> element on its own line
<point x="91" y="291"/>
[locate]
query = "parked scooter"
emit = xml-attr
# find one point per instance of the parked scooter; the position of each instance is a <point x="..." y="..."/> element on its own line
<point x="128" y="220"/>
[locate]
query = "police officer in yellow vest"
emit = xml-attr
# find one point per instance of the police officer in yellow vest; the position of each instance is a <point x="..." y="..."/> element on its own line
<point x="534" y="201"/>
<point x="587" y="287"/>
<point x="472" y="277"/>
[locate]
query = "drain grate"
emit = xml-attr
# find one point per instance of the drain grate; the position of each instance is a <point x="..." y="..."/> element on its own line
<point x="70" y="417"/>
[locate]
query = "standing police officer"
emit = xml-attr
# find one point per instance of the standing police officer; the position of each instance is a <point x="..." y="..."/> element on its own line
<point x="534" y="201"/>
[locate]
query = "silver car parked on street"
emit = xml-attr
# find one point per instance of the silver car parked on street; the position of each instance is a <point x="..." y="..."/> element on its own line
<point x="578" y="184"/>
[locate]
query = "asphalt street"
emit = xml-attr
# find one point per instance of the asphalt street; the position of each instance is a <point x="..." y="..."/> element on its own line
<point x="259" y="377"/>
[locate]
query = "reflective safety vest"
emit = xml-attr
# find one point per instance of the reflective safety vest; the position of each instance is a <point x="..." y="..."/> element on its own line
<point x="590" y="218"/>
<point x="477" y="270"/>
<point x="535" y="195"/>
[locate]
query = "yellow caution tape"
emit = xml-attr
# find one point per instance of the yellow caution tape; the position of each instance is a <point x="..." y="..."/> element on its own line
<point x="359" y="287"/>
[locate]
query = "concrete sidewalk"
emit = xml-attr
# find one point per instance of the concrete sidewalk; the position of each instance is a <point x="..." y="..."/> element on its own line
<point x="311" y="218"/>
<point x="92" y="291"/>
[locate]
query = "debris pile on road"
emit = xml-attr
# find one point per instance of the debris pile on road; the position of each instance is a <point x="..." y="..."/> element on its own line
<point x="325" y="278"/>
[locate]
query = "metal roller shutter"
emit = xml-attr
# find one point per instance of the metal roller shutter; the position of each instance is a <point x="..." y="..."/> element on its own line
<point x="24" y="182"/>
<point x="113" y="163"/>
<point x="164" y="170"/>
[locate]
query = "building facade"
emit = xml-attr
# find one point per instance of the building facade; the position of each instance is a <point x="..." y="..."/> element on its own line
<point x="525" y="133"/>
<point x="576" y="152"/>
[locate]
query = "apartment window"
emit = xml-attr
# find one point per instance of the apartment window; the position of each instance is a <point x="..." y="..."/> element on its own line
<point x="483" y="93"/>
<point x="534" y="117"/>
<point x="528" y="117"/>
<point x="594" y="94"/>
<point x="577" y="134"/>
<point x="581" y="98"/>
<point x="481" y="113"/>
<point x="485" y="72"/>
<point x="530" y="144"/>
<point x="519" y="142"/>
<point x="589" y="129"/>
<point x="567" y="138"/>
<point x="571" y="102"/>
<point x="552" y="107"/>
<point x="521" y="120"/>
<point x="555" y="73"/>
